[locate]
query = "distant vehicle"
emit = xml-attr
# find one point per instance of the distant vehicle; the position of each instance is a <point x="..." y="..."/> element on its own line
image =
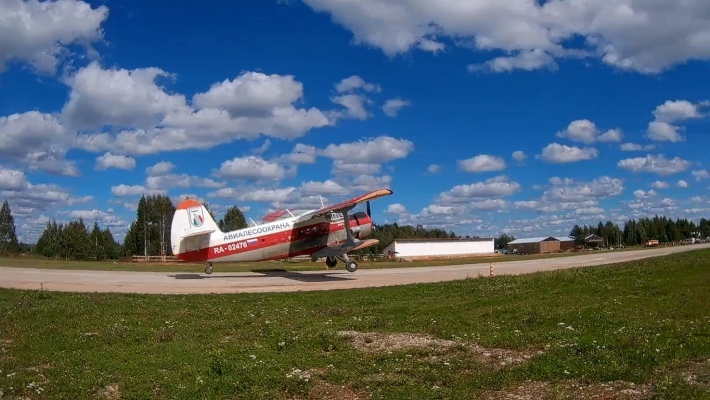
<point x="651" y="243"/>
<point x="690" y="241"/>
<point x="327" y="232"/>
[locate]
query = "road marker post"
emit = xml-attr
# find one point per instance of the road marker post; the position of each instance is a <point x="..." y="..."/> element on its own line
<point x="490" y="270"/>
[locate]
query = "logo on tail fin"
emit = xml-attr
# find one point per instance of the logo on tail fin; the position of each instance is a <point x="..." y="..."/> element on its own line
<point x="197" y="218"/>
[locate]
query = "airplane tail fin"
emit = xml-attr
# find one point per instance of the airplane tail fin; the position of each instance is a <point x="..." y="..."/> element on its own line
<point x="191" y="227"/>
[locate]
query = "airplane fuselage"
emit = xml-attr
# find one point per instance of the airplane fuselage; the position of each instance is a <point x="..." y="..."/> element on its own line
<point x="274" y="240"/>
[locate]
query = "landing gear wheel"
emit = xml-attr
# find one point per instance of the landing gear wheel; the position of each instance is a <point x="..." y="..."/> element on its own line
<point x="208" y="269"/>
<point x="351" y="266"/>
<point x="331" y="262"/>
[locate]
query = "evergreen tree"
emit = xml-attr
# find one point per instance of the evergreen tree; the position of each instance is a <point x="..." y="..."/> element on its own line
<point x="9" y="245"/>
<point x="233" y="220"/>
<point x="502" y="241"/>
<point x="149" y="234"/>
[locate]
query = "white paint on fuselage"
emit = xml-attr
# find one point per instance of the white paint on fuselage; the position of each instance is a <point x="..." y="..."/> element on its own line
<point x="281" y="249"/>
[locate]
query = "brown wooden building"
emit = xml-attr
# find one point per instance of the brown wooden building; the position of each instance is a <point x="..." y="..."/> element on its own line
<point x="534" y="245"/>
<point x="566" y="243"/>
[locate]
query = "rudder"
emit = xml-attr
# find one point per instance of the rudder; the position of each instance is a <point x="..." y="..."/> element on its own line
<point x="191" y="227"/>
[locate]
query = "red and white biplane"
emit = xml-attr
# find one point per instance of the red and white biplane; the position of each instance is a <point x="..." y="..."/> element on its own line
<point x="327" y="232"/>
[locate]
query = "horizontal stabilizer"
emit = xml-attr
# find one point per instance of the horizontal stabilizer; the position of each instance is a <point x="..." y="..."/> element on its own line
<point x="203" y="230"/>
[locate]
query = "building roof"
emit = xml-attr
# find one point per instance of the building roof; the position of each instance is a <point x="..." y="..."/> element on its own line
<point x="594" y="238"/>
<point x="565" y="239"/>
<point x="533" y="240"/>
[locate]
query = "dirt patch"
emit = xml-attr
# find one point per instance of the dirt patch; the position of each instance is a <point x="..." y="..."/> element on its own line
<point x="110" y="392"/>
<point x="503" y="357"/>
<point x="4" y="346"/>
<point x="375" y="342"/>
<point x="697" y="374"/>
<point x="379" y="342"/>
<point x="534" y="390"/>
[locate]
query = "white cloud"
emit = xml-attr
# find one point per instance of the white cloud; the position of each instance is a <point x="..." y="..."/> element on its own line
<point x="482" y="163"/>
<point x="519" y="156"/>
<point x="378" y="150"/>
<point x="585" y="131"/>
<point x="647" y="37"/>
<point x="249" y="106"/>
<point x="558" y="153"/>
<point x="640" y="194"/>
<point x="251" y="94"/>
<point x="160" y="168"/>
<point x="12" y="179"/>
<point x="118" y="97"/>
<point x="345" y="168"/>
<point x="656" y="164"/>
<point x="434" y="168"/>
<point x="524" y="60"/>
<point x="396" y="208"/>
<point x="392" y="106"/>
<point x="663" y="132"/>
<point x="636" y="147"/>
<point x="38" y="33"/>
<point x="570" y="190"/>
<point x="678" y="110"/>
<point x="251" y="168"/>
<point x="493" y="187"/>
<point x="171" y="181"/>
<point x="662" y="128"/>
<point x="133" y="190"/>
<point x="354" y="105"/>
<point x="38" y="141"/>
<point x="354" y="82"/>
<point x="301" y="154"/>
<point x="701" y="174"/>
<point x="329" y="187"/>
<point x="660" y="185"/>
<point x="682" y="184"/>
<point x="30" y="202"/>
<point x="366" y="183"/>
<point x="109" y="160"/>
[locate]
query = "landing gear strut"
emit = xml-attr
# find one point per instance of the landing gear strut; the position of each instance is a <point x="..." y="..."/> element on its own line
<point x="350" y="265"/>
<point x="208" y="269"/>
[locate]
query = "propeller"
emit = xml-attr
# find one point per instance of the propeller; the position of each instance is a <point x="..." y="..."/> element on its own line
<point x="369" y="213"/>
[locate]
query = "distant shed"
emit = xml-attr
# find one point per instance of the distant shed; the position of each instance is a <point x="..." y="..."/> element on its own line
<point x="439" y="247"/>
<point x="534" y="245"/>
<point x="566" y="243"/>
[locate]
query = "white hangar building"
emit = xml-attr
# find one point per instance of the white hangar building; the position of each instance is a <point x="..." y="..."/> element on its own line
<point x="439" y="247"/>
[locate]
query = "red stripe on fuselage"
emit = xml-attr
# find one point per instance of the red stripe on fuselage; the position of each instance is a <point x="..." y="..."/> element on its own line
<point x="298" y="233"/>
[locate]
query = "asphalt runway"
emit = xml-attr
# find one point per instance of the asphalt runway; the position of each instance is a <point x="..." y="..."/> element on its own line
<point x="282" y="281"/>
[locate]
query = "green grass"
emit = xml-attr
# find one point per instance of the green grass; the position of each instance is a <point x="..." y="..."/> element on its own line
<point x="40" y="262"/>
<point x="639" y="322"/>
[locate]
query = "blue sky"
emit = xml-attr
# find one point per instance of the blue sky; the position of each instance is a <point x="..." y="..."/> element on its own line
<point x="520" y="119"/>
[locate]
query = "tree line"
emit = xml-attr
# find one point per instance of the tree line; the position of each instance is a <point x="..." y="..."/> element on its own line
<point x="636" y="232"/>
<point x="149" y="233"/>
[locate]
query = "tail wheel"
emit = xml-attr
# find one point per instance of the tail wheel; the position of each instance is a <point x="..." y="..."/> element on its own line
<point x="351" y="266"/>
<point x="208" y="269"/>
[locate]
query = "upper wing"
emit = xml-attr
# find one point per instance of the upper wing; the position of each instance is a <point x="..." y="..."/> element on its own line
<point x="274" y="215"/>
<point x="375" y="194"/>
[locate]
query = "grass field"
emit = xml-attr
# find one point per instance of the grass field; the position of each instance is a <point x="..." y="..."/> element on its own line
<point x="38" y="262"/>
<point x="635" y="330"/>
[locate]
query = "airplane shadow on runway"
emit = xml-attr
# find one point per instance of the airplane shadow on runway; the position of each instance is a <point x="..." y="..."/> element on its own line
<point x="273" y="273"/>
